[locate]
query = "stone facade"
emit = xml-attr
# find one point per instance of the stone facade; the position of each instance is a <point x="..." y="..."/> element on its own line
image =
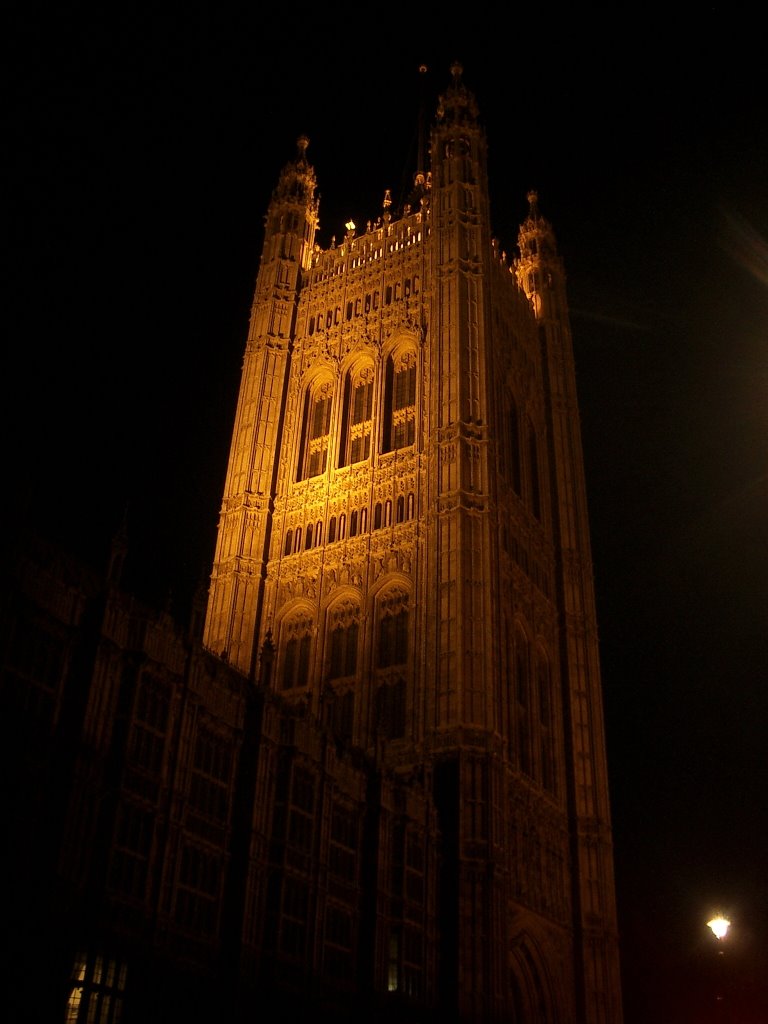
<point x="374" y="779"/>
<point x="405" y="520"/>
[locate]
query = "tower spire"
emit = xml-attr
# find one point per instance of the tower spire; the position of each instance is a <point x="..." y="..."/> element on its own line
<point x="421" y="176"/>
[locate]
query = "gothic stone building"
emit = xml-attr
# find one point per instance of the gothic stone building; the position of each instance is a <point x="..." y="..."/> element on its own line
<point x="370" y="776"/>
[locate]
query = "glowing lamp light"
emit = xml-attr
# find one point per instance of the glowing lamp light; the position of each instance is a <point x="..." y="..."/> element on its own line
<point x="719" y="926"/>
<point x="350" y="225"/>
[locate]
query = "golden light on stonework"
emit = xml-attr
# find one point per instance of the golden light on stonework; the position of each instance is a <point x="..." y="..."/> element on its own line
<point x="719" y="926"/>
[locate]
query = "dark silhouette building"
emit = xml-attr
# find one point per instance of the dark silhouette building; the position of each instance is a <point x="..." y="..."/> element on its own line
<point x="369" y="776"/>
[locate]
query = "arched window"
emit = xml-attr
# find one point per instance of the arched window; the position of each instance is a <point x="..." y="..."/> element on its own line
<point x="400" y="509"/>
<point x="353" y="524"/>
<point x="296" y="645"/>
<point x="357" y="417"/>
<point x="377" y="516"/>
<point x="393" y="631"/>
<point x="344" y="627"/>
<point x="288" y="546"/>
<point x="389" y="706"/>
<point x="315" y="432"/>
<point x="332" y="530"/>
<point x="400" y="402"/>
<point x="343" y="651"/>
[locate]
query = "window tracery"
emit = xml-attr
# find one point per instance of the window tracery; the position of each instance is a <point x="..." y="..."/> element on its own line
<point x="400" y="401"/>
<point x="316" y="431"/>
<point x="358" y="413"/>
<point x="296" y="636"/>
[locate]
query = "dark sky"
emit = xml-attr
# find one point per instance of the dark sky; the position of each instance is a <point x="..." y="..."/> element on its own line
<point x="142" y="150"/>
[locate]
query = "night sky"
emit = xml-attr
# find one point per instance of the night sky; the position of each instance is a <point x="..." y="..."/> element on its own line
<point x="143" y="149"/>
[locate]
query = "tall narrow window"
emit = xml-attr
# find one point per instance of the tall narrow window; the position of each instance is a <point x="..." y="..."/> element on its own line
<point x="297" y="640"/>
<point x="343" y="623"/>
<point x="389" y="709"/>
<point x="523" y="702"/>
<point x="546" y="724"/>
<point x="134" y="835"/>
<point x="533" y="459"/>
<point x="390" y="698"/>
<point x="400" y="402"/>
<point x="343" y="651"/>
<point x="315" y="434"/>
<point x="198" y="889"/>
<point x="514" y="464"/>
<point x="357" y="418"/>
<point x="393" y="639"/>
<point x="210" y="777"/>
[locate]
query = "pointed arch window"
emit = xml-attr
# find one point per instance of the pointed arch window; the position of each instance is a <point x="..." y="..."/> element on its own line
<point x="357" y="417"/>
<point x="344" y="631"/>
<point x="316" y="430"/>
<point x="393" y="630"/>
<point x="390" y="699"/>
<point x="297" y="643"/>
<point x="400" y="402"/>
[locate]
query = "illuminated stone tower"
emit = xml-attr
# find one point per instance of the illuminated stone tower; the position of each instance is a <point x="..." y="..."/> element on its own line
<point x="404" y="529"/>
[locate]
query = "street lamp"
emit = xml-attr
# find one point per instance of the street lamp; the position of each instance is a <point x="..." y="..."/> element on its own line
<point x="719" y="926"/>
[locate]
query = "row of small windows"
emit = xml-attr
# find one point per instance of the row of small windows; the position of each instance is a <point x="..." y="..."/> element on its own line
<point x="364" y="304"/>
<point x="377" y="252"/>
<point x="356" y="416"/>
<point x="312" y="535"/>
<point x="332" y="266"/>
